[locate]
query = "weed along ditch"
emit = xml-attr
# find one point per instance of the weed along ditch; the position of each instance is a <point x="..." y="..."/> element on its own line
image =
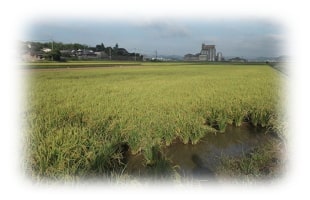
<point x="205" y="160"/>
<point x="159" y="121"/>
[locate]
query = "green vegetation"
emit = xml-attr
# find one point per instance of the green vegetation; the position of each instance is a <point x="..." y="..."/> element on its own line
<point x="58" y="51"/>
<point x="80" y="123"/>
<point x="260" y="163"/>
<point x="77" y="64"/>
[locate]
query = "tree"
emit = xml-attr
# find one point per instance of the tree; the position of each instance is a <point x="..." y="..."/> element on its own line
<point x="77" y="46"/>
<point x="115" y="49"/>
<point x="53" y="55"/>
<point x="100" y="47"/>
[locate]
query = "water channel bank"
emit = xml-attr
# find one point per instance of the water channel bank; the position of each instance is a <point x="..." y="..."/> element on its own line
<point x="244" y="151"/>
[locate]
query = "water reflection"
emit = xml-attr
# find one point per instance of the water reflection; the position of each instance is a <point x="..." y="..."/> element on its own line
<point x="201" y="171"/>
<point x="200" y="160"/>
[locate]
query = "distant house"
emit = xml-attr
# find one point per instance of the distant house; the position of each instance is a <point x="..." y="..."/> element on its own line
<point x="28" y="54"/>
<point x="66" y="53"/>
<point x="31" y="56"/>
<point x="81" y="54"/>
<point x="101" y="54"/>
<point x="191" y="57"/>
<point x="46" y="50"/>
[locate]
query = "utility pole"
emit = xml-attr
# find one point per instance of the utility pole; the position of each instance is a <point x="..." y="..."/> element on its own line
<point x="52" y="49"/>
<point x="110" y="53"/>
<point x="84" y="52"/>
<point x="135" y="55"/>
<point x="156" y="54"/>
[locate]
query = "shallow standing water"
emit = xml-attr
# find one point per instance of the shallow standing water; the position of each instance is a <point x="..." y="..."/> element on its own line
<point x="201" y="159"/>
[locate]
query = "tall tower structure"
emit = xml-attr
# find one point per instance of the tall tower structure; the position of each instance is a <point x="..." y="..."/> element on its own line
<point x="207" y="53"/>
<point x="219" y="56"/>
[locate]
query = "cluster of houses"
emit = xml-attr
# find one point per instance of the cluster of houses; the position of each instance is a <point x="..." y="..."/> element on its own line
<point x="31" y="54"/>
<point x="83" y="53"/>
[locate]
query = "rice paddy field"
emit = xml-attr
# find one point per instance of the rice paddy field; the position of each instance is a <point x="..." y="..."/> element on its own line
<point x="83" y="122"/>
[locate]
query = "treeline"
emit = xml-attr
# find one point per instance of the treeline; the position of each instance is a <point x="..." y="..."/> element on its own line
<point x="37" y="46"/>
<point x="61" y="50"/>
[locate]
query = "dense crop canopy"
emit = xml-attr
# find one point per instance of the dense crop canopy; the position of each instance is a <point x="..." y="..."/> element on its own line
<point x="79" y="120"/>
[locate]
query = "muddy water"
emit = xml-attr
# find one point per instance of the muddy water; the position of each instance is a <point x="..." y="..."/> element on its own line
<point x="201" y="159"/>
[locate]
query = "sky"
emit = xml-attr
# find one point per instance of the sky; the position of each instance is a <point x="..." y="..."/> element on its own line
<point x="248" y="38"/>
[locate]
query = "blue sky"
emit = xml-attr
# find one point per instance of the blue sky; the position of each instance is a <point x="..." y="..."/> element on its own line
<point x="247" y="38"/>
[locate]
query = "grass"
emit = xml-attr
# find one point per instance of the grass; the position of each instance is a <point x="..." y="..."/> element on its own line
<point x="79" y="120"/>
<point x="258" y="165"/>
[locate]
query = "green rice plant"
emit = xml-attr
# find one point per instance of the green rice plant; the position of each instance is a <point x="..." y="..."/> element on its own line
<point x="238" y="116"/>
<point x="196" y="129"/>
<point x="230" y="116"/>
<point x="221" y="121"/>
<point x="265" y="117"/>
<point x="184" y="137"/>
<point x="134" y="143"/>
<point x="254" y="118"/>
<point x="217" y="119"/>
<point x="168" y="136"/>
<point x="279" y="126"/>
<point x="260" y="117"/>
<point x="77" y="119"/>
<point x="152" y="154"/>
<point x="212" y="117"/>
<point x="158" y="166"/>
<point x="181" y="130"/>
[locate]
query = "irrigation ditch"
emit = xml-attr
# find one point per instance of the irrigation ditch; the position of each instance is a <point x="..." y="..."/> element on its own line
<point x="244" y="153"/>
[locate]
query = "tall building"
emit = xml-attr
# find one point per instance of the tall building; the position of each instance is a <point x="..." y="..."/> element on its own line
<point x="219" y="56"/>
<point x="207" y="53"/>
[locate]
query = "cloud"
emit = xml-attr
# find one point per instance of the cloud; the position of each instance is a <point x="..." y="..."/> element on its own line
<point x="252" y="45"/>
<point x="164" y="29"/>
<point x="268" y="44"/>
